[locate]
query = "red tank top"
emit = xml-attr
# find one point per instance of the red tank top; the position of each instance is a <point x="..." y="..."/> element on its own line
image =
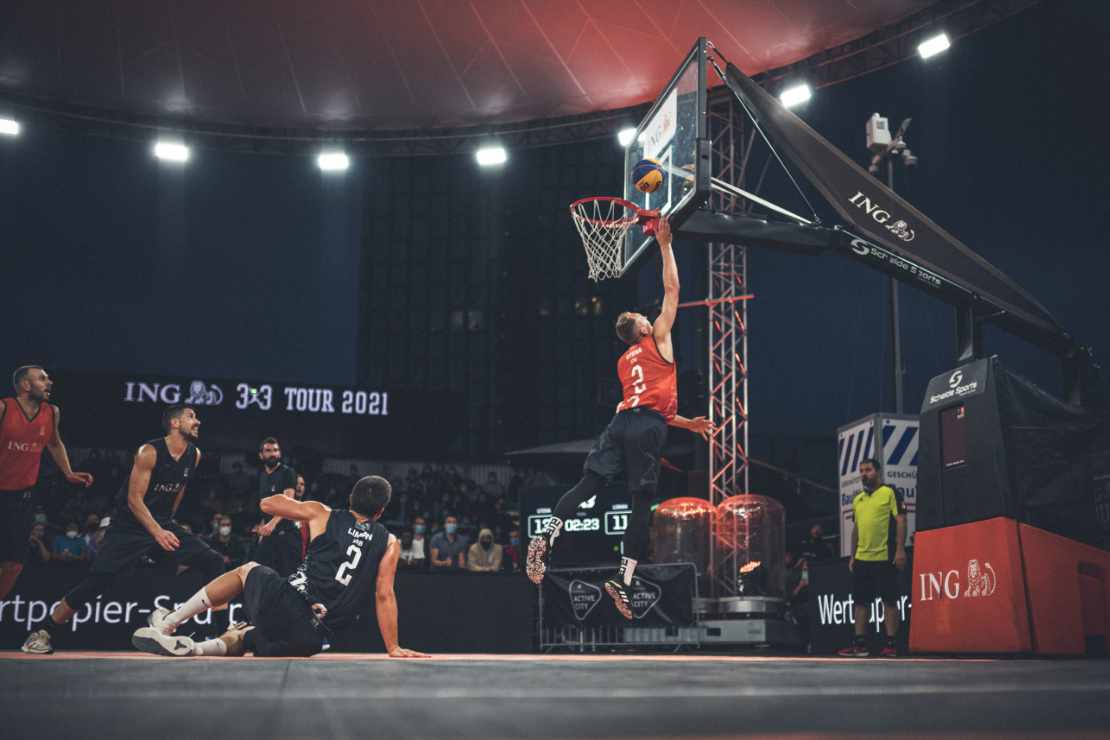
<point x="21" y="444"/>
<point x="648" y="380"/>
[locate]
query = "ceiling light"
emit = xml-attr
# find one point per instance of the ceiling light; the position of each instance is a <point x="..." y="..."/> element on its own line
<point x="171" y="151"/>
<point x="796" y="95"/>
<point x="932" y="46"/>
<point x="8" y="127"/>
<point x="491" y="155"/>
<point x="333" y="161"/>
<point x="625" y="136"/>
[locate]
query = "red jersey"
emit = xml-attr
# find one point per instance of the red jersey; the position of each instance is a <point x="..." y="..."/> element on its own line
<point x="647" y="379"/>
<point x="21" y="443"/>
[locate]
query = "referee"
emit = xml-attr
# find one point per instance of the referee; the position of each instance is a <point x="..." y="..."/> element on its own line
<point x="279" y="540"/>
<point x="873" y="573"/>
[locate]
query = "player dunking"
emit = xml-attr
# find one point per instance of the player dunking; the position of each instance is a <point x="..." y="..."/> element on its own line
<point x="142" y="522"/>
<point x="634" y="438"/>
<point x="350" y="557"/>
<point x="28" y="425"/>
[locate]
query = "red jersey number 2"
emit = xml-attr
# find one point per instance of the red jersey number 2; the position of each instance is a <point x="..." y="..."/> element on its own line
<point x="638" y="386"/>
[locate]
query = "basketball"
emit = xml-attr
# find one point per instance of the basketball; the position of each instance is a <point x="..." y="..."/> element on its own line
<point x="647" y="175"/>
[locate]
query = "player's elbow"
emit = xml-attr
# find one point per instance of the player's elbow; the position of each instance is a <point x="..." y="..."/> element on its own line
<point x="385" y="596"/>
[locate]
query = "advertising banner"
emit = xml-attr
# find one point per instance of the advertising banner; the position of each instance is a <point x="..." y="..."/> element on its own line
<point x="662" y="595"/>
<point x="107" y="410"/>
<point x="893" y="440"/>
<point x="968" y="590"/>
<point x="832" y="608"/>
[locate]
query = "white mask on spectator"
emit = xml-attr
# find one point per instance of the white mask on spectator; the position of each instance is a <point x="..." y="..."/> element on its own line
<point x="225" y="531"/>
<point x="71" y="533"/>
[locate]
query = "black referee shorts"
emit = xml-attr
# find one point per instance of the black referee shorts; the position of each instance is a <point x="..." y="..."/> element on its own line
<point x="631" y="445"/>
<point x="874" y="579"/>
<point x="16" y="515"/>
<point x="284" y="625"/>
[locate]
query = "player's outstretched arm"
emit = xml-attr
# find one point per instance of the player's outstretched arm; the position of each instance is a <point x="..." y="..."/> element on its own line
<point x="386" y="603"/>
<point x="699" y="425"/>
<point x="661" y="329"/>
<point x="57" y="449"/>
<point x="280" y="505"/>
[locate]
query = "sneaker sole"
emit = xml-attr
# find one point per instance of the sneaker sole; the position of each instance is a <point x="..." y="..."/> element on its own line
<point x="618" y="602"/>
<point x="36" y="652"/>
<point x="144" y="640"/>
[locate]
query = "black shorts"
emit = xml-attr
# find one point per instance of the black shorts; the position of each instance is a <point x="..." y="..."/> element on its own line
<point x="284" y="625"/>
<point x="123" y="546"/>
<point x="16" y="515"/>
<point x="874" y="579"/>
<point x="630" y="445"/>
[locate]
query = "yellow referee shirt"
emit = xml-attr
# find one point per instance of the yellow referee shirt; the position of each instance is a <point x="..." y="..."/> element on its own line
<point x="873" y="512"/>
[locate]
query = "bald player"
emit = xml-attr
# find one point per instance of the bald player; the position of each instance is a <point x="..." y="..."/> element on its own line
<point x="28" y="425"/>
<point x="631" y="444"/>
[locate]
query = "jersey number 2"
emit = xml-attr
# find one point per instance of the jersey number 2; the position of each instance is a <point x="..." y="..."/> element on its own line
<point x="341" y="575"/>
<point x="638" y="386"/>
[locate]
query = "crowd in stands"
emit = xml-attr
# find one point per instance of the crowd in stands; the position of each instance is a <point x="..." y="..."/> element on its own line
<point x="445" y="519"/>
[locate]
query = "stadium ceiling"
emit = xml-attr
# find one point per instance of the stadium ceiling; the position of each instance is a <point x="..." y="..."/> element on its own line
<point x="407" y="74"/>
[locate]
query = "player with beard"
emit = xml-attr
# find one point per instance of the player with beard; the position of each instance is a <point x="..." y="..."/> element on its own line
<point x="279" y="540"/>
<point x="351" y="562"/>
<point x="142" y="522"/>
<point x="28" y="425"/>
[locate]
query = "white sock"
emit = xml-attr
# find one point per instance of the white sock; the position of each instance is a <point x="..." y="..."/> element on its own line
<point x="215" y="646"/>
<point x="628" y="567"/>
<point x="197" y="603"/>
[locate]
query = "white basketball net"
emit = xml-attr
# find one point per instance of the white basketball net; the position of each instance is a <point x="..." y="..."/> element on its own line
<point x="602" y="223"/>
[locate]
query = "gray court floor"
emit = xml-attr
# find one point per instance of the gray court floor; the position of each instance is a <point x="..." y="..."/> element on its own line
<point x="102" y="695"/>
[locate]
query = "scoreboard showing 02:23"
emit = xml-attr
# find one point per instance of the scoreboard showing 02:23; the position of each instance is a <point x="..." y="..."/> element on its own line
<point x="313" y="400"/>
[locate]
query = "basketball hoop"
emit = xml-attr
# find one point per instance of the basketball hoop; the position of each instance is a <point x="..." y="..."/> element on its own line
<point x="602" y="222"/>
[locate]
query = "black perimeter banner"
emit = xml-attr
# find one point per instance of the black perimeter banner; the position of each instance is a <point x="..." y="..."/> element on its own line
<point x="661" y="595"/>
<point x="120" y="411"/>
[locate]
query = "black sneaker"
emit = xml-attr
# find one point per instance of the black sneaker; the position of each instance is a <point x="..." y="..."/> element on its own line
<point x="539" y="550"/>
<point x="621" y="598"/>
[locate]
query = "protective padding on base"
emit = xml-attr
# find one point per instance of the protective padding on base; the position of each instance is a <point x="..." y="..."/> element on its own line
<point x="968" y="591"/>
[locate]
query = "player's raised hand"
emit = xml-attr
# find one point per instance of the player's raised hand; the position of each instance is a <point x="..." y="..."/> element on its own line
<point x="400" y="652"/>
<point x="663" y="233"/>
<point x="167" y="540"/>
<point x="701" y="426"/>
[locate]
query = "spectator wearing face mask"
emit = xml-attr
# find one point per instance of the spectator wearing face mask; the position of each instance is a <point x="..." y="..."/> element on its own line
<point x="37" y="552"/>
<point x="70" y="547"/>
<point x="449" y="547"/>
<point x="419" y="539"/>
<point x="512" y="552"/>
<point x="411" y="558"/>
<point x="231" y="548"/>
<point x="484" y="556"/>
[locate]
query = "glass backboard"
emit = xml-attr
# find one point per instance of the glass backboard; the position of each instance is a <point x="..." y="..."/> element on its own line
<point x="670" y="134"/>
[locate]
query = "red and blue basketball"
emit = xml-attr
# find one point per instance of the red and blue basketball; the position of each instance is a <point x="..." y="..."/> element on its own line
<point x="647" y="175"/>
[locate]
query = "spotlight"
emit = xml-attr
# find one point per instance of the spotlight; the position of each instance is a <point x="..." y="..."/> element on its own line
<point x="489" y="156"/>
<point x="333" y="161"/>
<point x="8" y="127"/>
<point x="796" y="95"/>
<point x="171" y="151"/>
<point x="625" y="136"/>
<point x="932" y="46"/>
